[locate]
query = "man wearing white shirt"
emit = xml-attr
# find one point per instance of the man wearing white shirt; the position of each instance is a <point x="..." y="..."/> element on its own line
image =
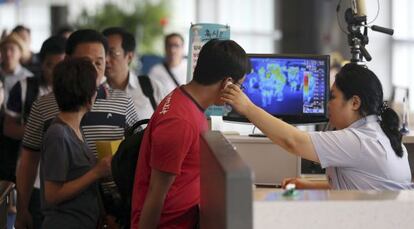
<point x="121" y="52"/>
<point x="11" y="71"/>
<point x="173" y="72"/>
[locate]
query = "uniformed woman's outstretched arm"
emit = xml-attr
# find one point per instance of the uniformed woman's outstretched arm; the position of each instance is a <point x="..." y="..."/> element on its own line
<point x="287" y="136"/>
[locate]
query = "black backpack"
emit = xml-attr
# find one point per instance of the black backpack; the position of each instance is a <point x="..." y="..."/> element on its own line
<point x="123" y="170"/>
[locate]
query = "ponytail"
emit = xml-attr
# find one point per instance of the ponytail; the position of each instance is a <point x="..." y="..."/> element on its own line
<point x="354" y="79"/>
<point x="390" y="125"/>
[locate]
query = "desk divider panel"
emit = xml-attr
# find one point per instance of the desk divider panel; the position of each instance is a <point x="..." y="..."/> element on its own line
<point x="226" y="185"/>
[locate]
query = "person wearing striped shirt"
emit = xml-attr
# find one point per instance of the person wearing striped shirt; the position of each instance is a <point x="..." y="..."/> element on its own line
<point x="112" y="113"/>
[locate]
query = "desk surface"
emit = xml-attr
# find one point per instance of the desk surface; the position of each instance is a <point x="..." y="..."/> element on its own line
<point x="275" y="195"/>
<point x="315" y="209"/>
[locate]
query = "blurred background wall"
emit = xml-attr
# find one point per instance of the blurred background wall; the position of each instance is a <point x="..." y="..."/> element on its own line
<point x="265" y="26"/>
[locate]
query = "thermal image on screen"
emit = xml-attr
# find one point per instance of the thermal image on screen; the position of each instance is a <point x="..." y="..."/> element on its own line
<point x="287" y="86"/>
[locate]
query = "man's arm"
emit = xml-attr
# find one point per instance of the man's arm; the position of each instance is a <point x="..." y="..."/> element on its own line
<point x="26" y="171"/>
<point x="160" y="183"/>
<point x="25" y="177"/>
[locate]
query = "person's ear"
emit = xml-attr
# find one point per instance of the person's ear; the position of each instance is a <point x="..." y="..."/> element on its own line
<point x="91" y="102"/>
<point x="130" y="57"/>
<point x="226" y="81"/>
<point x="356" y="102"/>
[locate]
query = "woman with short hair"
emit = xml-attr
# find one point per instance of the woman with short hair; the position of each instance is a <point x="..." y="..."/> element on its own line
<point x="68" y="168"/>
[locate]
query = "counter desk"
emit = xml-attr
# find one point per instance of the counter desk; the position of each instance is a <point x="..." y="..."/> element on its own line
<point x="333" y="209"/>
<point x="271" y="164"/>
<point x="229" y="200"/>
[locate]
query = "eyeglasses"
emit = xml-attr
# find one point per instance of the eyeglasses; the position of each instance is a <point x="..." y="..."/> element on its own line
<point x="174" y="45"/>
<point x="113" y="53"/>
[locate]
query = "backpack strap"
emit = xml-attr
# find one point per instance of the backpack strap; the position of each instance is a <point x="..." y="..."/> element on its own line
<point x="170" y="73"/>
<point x="23" y="90"/>
<point x="146" y="87"/>
<point x="132" y="129"/>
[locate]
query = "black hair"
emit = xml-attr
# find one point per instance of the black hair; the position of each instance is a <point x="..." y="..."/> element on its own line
<point x="74" y="83"/>
<point x="52" y="46"/>
<point x="85" y="36"/>
<point x="354" y="79"/>
<point x="64" y="29"/>
<point x="168" y="36"/>
<point x="128" y="40"/>
<point x="20" y="28"/>
<point x="219" y="59"/>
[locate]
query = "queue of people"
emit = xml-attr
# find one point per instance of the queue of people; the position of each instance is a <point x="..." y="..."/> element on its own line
<point x="86" y="92"/>
<point x="30" y="106"/>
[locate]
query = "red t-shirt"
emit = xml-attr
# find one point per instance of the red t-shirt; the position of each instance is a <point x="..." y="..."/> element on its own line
<point x="171" y="144"/>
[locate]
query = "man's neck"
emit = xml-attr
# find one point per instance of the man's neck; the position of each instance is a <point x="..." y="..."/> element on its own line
<point x="205" y="96"/>
<point x="119" y="83"/>
<point x="174" y="63"/>
<point x="48" y="83"/>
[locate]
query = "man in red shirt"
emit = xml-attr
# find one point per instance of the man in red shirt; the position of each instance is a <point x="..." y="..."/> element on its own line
<point x="167" y="179"/>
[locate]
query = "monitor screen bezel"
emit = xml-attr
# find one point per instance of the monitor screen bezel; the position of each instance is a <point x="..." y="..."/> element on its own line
<point x="296" y="119"/>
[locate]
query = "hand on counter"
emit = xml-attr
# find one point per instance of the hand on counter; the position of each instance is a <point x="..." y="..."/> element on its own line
<point x="302" y="183"/>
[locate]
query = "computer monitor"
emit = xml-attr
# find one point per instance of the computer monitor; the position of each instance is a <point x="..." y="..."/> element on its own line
<point x="294" y="88"/>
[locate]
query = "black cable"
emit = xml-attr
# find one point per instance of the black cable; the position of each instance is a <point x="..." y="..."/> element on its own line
<point x="376" y="16"/>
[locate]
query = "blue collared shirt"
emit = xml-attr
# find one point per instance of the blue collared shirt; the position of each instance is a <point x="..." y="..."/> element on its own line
<point x="361" y="157"/>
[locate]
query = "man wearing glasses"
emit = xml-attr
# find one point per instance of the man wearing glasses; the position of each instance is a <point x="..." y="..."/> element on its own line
<point x="173" y="72"/>
<point x="121" y="52"/>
